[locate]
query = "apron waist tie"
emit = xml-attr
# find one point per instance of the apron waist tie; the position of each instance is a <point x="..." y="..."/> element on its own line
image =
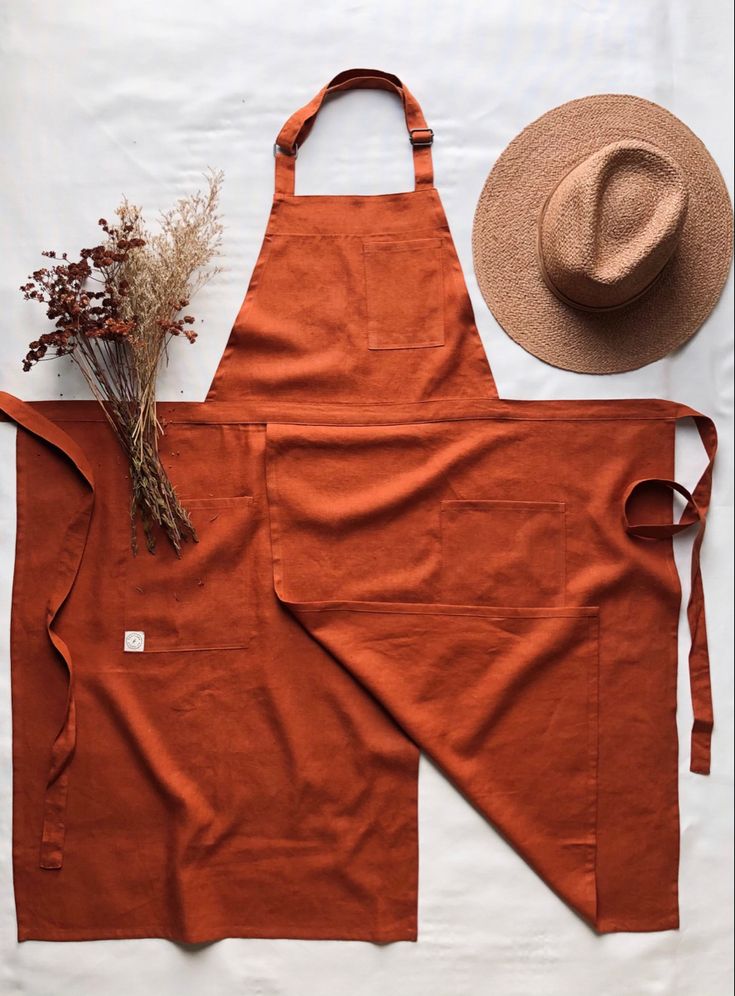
<point x="695" y="512"/>
<point x="54" y="806"/>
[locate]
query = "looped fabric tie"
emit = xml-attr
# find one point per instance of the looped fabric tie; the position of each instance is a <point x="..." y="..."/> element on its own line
<point x="694" y="512"/>
<point x="53" y="830"/>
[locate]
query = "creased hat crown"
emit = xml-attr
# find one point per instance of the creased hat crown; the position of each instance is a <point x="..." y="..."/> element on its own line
<point x="611" y="225"/>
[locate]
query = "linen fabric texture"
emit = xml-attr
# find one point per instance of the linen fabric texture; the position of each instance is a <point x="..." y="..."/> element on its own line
<point x="391" y="559"/>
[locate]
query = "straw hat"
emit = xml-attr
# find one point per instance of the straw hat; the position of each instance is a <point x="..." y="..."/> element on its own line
<point x="603" y="235"/>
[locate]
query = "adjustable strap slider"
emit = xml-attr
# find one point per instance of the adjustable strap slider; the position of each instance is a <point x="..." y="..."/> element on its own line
<point x="282" y="150"/>
<point x="427" y="139"/>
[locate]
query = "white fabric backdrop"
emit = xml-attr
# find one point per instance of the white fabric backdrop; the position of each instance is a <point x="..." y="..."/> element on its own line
<point x="139" y="98"/>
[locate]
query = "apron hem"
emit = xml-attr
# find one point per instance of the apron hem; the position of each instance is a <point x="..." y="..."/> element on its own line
<point x="401" y="932"/>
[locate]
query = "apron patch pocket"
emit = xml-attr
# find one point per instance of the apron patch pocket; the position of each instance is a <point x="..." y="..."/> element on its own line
<point x="503" y="552"/>
<point x="203" y="600"/>
<point x="404" y="290"/>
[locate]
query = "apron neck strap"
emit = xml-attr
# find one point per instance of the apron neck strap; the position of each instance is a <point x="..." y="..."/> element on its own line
<point x="297" y="128"/>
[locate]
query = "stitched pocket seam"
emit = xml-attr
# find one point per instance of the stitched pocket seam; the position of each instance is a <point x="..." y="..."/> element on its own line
<point x="378" y="338"/>
<point x="503" y="505"/>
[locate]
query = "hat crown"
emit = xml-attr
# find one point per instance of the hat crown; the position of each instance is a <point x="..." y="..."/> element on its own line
<point x="612" y="224"/>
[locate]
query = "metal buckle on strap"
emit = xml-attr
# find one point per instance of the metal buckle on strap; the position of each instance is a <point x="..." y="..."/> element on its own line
<point x="284" y="152"/>
<point x="418" y="142"/>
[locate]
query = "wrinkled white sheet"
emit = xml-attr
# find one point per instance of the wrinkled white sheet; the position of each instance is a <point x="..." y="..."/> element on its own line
<point x="101" y="99"/>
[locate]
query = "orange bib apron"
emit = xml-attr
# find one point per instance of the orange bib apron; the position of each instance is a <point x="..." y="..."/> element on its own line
<point x="390" y="559"/>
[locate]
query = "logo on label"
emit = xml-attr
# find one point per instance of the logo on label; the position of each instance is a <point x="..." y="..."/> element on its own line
<point x="134" y="641"/>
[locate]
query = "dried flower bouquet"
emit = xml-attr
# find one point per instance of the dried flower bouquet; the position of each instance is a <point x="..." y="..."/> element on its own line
<point x="116" y="310"/>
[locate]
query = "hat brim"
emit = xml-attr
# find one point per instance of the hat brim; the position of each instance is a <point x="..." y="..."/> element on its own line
<point x="504" y="236"/>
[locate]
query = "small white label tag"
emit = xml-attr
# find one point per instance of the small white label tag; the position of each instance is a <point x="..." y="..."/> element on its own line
<point x="134" y="641"/>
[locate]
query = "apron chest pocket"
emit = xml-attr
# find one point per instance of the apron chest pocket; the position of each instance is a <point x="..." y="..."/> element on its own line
<point x="509" y="553"/>
<point x="203" y="600"/>
<point x="404" y="290"/>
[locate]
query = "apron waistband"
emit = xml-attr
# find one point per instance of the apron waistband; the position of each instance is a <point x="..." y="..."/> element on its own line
<point x="296" y="130"/>
<point x="57" y="783"/>
<point x="695" y="512"/>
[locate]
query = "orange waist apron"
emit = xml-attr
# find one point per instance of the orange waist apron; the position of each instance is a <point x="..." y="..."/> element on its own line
<point x="390" y="559"/>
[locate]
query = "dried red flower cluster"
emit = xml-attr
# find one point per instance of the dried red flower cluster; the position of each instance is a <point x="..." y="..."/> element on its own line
<point x="81" y="312"/>
<point x="176" y="326"/>
<point x="78" y="311"/>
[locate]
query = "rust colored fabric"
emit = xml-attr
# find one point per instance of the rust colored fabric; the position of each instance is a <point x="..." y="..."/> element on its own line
<point x="230" y="780"/>
<point x="487" y="576"/>
<point x="355" y="298"/>
<point x="391" y="560"/>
